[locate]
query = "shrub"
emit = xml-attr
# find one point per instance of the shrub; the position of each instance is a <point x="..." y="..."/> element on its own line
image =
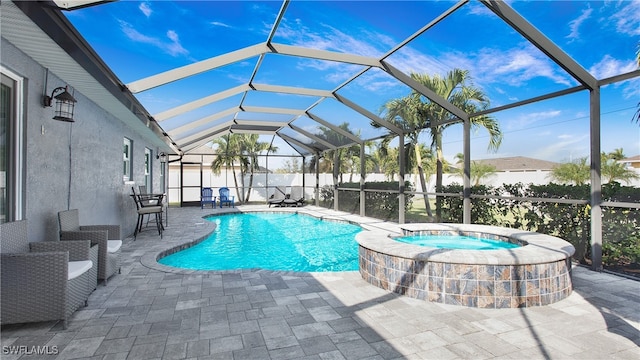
<point x="382" y="205"/>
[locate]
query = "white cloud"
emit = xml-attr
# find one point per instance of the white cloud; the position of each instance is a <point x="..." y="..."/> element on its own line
<point x="515" y="66"/>
<point x="475" y="8"/>
<point x="220" y="24"/>
<point x="575" y="24"/>
<point x="175" y="48"/>
<point x="567" y="147"/>
<point x="627" y="17"/>
<point x="145" y="8"/>
<point x="172" y="47"/>
<point x="525" y="120"/>
<point x="609" y="66"/>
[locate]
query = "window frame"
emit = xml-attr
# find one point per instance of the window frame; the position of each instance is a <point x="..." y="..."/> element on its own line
<point x="126" y="159"/>
<point x="14" y="176"/>
<point x="148" y="169"/>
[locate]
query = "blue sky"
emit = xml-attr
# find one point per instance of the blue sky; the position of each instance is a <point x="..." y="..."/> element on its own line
<point x="140" y="39"/>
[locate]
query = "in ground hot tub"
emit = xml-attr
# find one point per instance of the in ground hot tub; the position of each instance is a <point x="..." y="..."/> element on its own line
<point x="536" y="273"/>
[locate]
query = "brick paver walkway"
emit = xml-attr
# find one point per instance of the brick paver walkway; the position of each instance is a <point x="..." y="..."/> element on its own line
<point x="152" y="312"/>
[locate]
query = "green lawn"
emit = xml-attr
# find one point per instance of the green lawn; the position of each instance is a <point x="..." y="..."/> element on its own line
<point x="418" y="212"/>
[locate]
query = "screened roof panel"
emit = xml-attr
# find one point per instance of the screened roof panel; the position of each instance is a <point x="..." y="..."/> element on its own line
<point x="610" y="25"/>
<point x="159" y="37"/>
<point x="304" y="72"/>
<point x="498" y="59"/>
<point x="353" y="27"/>
<point x="373" y="89"/>
<point x="219" y="120"/>
<point x="255" y="45"/>
<point x="338" y="114"/>
<point x="326" y="133"/>
<point x="280" y="100"/>
<point x="303" y="139"/>
<point x="302" y="148"/>
<point x="203" y="114"/>
<point x="263" y="117"/>
<point x="190" y="89"/>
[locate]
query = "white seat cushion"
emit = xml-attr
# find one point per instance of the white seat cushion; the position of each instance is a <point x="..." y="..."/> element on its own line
<point x="77" y="268"/>
<point x="113" y="245"/>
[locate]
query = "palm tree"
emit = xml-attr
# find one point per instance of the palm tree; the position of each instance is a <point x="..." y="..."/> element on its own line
<point x="413" y="113"/>
<point x="348" y="157"/>
<point x="250" y="147"/>
<point x="613" y="170"/>
<point x="228" y="154"/>
<point x="578" y="171"/>
<point x="636" y="116"/>
<point x="478" y="171"/>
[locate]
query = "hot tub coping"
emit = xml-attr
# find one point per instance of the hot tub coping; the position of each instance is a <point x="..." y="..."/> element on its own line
<point x="540" y="248"/>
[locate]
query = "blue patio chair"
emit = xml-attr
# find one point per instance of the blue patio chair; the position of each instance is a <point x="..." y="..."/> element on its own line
<point x="225" y="199"/>
<point x="207" y="198"/>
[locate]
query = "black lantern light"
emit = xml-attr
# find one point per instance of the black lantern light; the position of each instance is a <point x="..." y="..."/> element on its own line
<point x="162" y="156"/>
<point x="65" y="103"/>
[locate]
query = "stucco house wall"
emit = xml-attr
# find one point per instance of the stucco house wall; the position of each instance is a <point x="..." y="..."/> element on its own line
<point x="74" y="165"/>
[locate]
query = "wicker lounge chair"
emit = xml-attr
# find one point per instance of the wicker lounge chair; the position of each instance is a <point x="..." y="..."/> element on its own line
<point x="277" y="197"/>
<point x="296" y="197"/>
<point x="43" y="281"/>
<point x="107" y="237"/>
<point x="225" y="198"/>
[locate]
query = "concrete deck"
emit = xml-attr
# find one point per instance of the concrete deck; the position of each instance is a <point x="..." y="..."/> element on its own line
<point x="154" y="312"/>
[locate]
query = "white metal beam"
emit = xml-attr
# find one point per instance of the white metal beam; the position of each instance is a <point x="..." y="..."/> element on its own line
<point x="272" y="110"/>
<point x="201" y="102"/>
<point x="196" y="68"/>
<point x="312" y="136"/>
<point x="205" y="139"/>
<point x="78" y="4"/>
<point x="246" y="122"/>
<point x="292" y="90"/>
<point x="202" y="134"/>
<point x="289" y="139"/>
<point x="204" y="120"/>
<point x="323" y="55"/>
<point x="335" y="128"/>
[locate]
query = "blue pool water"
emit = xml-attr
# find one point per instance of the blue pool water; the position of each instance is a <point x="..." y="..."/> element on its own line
<point x="272" y="241"/>
<point x="456" y="242"/>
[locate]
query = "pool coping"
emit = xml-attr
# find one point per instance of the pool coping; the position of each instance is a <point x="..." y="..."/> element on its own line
<point x="540" y="248"/>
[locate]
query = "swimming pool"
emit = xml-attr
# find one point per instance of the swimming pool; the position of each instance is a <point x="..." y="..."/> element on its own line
<point x="272" y="241"/>
<point x="463" y="242"/>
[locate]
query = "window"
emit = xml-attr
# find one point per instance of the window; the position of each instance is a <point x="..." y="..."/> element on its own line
<point x="127" y="160"/>
<point x="147" y="169"/>
<point x="11" y="153"/>
<point x="163" y="184"/>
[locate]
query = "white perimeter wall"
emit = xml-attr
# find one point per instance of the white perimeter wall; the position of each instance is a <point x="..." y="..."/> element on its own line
<point x="263" y="181"/>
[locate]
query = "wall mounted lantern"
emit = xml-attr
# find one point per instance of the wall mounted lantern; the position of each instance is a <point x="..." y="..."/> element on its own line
<point x="162" y="156"/>
<point x="65" y="103"/>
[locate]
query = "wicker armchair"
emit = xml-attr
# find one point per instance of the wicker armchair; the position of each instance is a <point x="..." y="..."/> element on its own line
<point x="42" y="281"/>
<point x="107" y="237"/>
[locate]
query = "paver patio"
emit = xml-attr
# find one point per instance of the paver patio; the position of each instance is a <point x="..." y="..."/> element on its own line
<point x="154" y="312"/>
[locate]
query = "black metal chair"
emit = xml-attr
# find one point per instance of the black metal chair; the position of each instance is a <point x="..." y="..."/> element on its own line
<point x="144" y="207"/>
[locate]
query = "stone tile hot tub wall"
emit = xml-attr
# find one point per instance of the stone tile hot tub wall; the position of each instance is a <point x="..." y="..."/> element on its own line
<point x="538" y="273"/>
